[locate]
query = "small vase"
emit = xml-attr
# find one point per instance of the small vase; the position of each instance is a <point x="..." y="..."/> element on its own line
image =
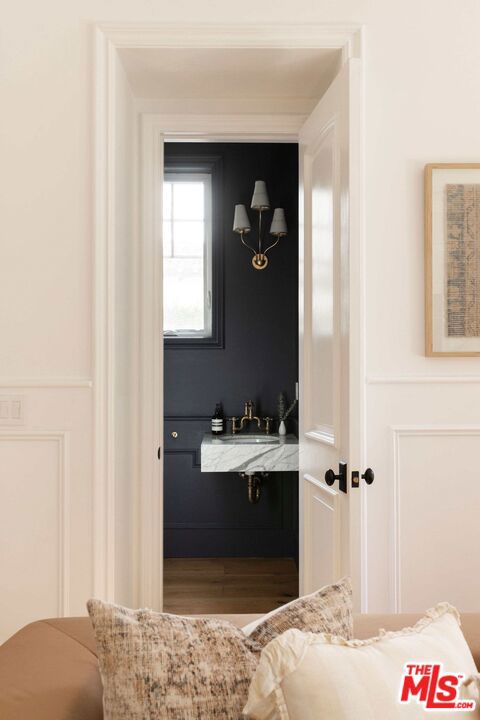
<point x="282" y="430"/>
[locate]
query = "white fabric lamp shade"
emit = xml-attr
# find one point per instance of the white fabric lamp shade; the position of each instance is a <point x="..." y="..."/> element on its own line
<point x="279" y="224"/>
<point x="241" y="223"/>
<point x="260" y="199"/>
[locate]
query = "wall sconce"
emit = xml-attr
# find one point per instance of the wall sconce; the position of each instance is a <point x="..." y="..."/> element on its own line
<point x="241" y="224"/>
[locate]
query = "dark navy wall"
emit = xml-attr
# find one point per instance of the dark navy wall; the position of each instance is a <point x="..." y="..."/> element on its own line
<point x="208" y="514"/>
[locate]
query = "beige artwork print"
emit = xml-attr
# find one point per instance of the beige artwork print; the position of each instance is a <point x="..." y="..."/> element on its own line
<point x="463" y="260"/>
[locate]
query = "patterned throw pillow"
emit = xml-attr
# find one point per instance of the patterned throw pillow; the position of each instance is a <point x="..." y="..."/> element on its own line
<point x="327" y="610"/>
<point x="156" y="666"/>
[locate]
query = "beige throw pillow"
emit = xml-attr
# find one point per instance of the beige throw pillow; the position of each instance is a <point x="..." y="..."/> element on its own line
<point x="330" y="607"/>
<point x="156" y="666"/>
<point x="306" y="676"/>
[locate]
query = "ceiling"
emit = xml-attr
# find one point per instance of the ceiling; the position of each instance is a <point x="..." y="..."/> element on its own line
<point x="230" y="74"/>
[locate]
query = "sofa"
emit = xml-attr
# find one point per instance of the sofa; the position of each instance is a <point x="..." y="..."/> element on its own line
<point x="49" y="669"/>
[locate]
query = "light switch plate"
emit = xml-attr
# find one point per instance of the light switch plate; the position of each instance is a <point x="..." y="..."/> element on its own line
<point x="12" y="410"/>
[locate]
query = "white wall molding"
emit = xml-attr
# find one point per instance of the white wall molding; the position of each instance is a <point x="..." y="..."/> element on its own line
<point x="421" y="379"/>
<point x="103" y="319"/>
<point x="62" y="440"/>
<point x="398" y="432"/>
<point x="324" y="434"/>
<point x="261" y="127"/>
<point x="346" y="37"/>
<point x="46" y="382"/>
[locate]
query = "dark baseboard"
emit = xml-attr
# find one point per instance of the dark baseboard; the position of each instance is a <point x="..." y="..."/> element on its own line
<point x="230" y="542"/>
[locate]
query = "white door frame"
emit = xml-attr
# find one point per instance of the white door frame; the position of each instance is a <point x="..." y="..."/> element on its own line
<point x="109" y="39"/>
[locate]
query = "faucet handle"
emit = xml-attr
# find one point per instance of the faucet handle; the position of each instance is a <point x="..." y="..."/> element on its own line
<point x="267" y="421"/>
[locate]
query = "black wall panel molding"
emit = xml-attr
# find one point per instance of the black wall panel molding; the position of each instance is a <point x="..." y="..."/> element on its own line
<point x="194" y="455"/>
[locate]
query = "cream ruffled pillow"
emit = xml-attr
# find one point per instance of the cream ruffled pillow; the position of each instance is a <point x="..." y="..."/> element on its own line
<point x="307" y="676"/>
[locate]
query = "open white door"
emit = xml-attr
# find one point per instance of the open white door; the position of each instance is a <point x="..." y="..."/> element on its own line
<point x="331" y="368"/>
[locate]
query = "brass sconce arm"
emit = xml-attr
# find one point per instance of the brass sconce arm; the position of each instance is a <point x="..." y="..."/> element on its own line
<point x="242" y="233"/>
<point x="272" y="245"/>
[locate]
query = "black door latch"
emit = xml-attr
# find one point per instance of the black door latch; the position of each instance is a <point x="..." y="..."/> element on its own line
<point x="368" y="476"/>
<point x="330" y="477"/>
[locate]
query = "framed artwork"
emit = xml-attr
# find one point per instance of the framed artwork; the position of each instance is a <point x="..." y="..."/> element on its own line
<point x="452" y="259"/>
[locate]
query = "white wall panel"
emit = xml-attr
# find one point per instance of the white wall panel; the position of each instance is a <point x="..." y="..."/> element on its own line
<point x="34" y="528"/>
<point x="436" y="499"/>
<point x="46" y="551"/>
<point x="414" y="475"/>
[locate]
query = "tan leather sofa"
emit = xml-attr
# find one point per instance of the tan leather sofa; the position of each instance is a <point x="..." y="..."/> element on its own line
<point x="49" y="671"/>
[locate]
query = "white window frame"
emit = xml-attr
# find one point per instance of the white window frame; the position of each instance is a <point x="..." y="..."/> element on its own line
<point x="178" y="176"/>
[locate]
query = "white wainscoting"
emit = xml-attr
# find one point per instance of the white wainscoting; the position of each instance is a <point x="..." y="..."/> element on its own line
<point x="47" y="551"/>
<point x="423" y="444"/>
<point x="436" y="500"/>
<point x="34" y="527"/>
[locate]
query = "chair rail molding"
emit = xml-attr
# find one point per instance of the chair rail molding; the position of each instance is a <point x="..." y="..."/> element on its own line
<point x="397" y="433"/>
<point x="46" y="382"/>
<point x="108" y="39"/>
<point x="62" y="440"/>
<point x="420" y="379"/>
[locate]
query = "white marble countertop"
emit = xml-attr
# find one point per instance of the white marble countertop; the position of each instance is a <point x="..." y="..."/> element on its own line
<point x="249" y="453"/>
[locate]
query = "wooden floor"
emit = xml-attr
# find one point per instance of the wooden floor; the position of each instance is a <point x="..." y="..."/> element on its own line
<point x="228" y="585"/>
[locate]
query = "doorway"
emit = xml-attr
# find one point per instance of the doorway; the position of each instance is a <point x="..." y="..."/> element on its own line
<point x="255" y="117"/>
<point x="230" y="337"/>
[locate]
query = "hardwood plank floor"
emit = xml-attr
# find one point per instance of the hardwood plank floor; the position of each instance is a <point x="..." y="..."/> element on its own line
<point x="228" y="585"/>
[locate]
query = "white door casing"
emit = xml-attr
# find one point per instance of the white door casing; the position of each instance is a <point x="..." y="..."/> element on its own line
<point x="82" y="532"/>
<point x="331" y="366"/>
<point x="153" y="129"/>
<point x="150" y="489"/>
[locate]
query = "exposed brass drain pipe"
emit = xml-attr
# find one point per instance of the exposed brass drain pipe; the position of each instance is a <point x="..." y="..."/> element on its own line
<point x="254" y="486"/>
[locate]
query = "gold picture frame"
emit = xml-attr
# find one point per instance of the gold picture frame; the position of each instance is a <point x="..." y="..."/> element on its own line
<point x="452" y="260"/>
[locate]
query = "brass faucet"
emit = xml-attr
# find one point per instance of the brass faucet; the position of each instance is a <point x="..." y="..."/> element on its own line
<point x="249" y="416"/>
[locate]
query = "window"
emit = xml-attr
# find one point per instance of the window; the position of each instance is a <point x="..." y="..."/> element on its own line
<point x="187" y="255"/>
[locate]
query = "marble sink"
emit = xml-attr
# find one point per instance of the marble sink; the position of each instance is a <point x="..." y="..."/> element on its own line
<point x="249" y="453"/>
<point x="249" y="439"/>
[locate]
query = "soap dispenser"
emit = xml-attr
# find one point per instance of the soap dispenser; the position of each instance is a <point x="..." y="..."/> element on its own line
<point x="218" y="420"/>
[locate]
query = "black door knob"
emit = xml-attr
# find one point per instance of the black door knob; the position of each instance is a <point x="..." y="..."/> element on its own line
<point x="368" y="476"/>
<point x="330" y="477"/>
